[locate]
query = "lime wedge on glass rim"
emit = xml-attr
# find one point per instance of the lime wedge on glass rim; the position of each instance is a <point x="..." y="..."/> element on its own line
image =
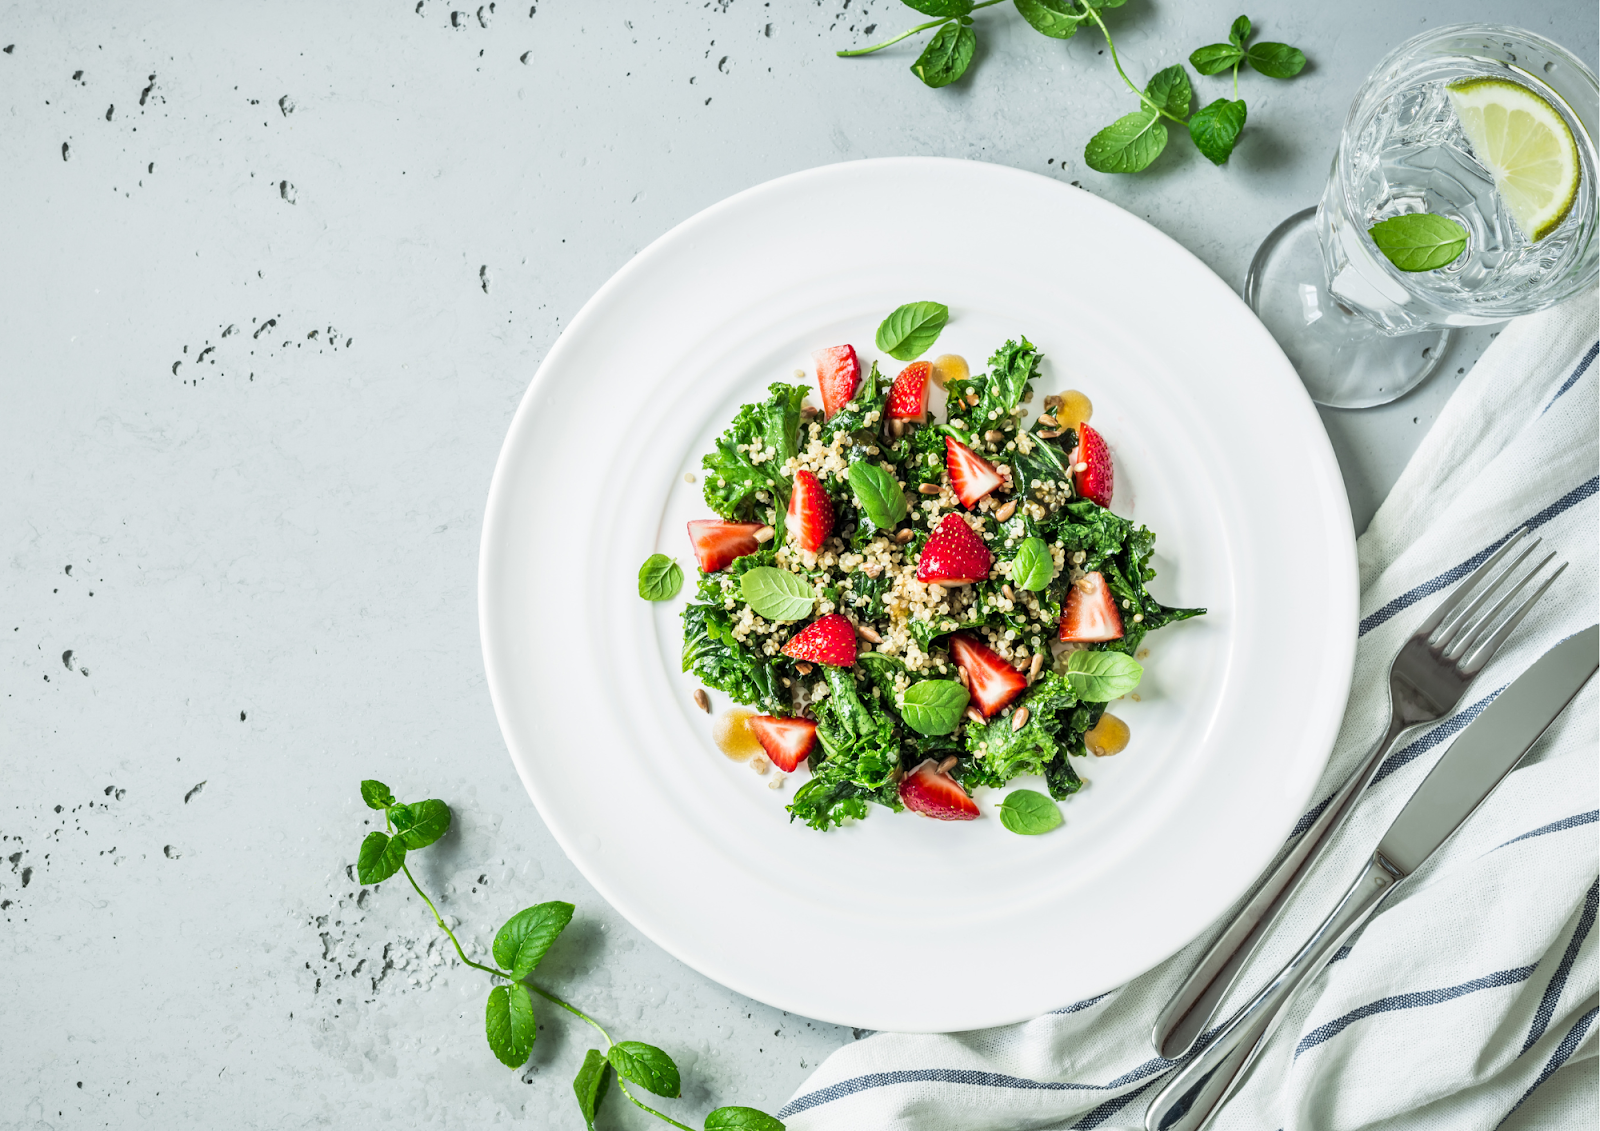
<point x="1527" y="147"/>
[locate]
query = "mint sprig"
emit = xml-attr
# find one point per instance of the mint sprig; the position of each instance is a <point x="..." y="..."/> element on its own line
<point x="509" y="1022"/>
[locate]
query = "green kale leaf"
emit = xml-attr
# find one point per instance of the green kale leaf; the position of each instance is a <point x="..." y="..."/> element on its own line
<point x="1006" y="753"/>
<point x="717" y="659"/>
<point x="732" y="478"/>
<point x="860" y="757"/>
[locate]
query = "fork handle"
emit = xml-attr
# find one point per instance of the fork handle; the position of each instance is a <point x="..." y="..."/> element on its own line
<point x="1193" y="1007"/>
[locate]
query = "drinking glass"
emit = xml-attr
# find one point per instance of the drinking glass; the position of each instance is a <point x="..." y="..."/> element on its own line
<point x="1360" y="331"/>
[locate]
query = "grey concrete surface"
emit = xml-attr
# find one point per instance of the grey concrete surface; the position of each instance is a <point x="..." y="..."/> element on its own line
<point x="274" y="279"/>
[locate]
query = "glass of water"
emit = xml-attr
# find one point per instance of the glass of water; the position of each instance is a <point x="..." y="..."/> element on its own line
<point x="1360" y="330"/>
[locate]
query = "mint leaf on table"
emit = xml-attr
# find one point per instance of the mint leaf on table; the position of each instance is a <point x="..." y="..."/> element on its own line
<point x="1059" y="19"/>
<point x="777" y="594"/>
<point x="380" y="857"/>
<point x="646" y="1066"/>
<point x="1170" y="89"/>
<point x="947" y="56"/>
<point x="1033" y="566"/>
<point x="1128" y="144"/>
<point x="911" y="329"/>
<point x="660" y="578"/>
<point x="1419" y="241"/>
<point x="420" y="823"/>
<point x="590" y="1084"/>
<point x="741" y="1119"/>
<point x="934" y="706"/>
<point x="376" y="795"/>
<point x="940" y="8"/>
<point x="1239" y="31"/>
<point x="1029" y="813"/>
<point x="1276" y="60"/>
<point x="879" y="494"/>
<point x="1100" y="677"/>
<point x="509" y="1024"/>
<point x="527" y="936"/>
<point x="1216" y="128"/>
<point x="1214" y="57"/>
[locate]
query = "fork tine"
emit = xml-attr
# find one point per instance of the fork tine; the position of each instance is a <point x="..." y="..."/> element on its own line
<point x="1469" y="635"/>
<point x="1464" y="587"/>
<point x="1449" y="632"/>
<point x="1473" y="662"/>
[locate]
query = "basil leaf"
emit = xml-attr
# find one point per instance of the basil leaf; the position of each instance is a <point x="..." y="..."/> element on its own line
<point x="879" y="494"/>
<point x="646" y="1066"/>
<point x="1128" y="144"/>
<point x="376" y="795"/>
<point x="776" y="593"/>
<point x="937" y="8"/>
<point x="741" y="1119"/>
<point x="660" y="578"/>
<point x="508" y="1023"/>
<point x="590" y="1084"/>
<point x="1099" y="677"/>
<point x="1216" y="128"/>
<point x="1420" y="241"/>
<point x="380" y="857"/>
<point x="946" y="57"/>
<point x="1054" y="18"/>
<point x="1033" y="567"/>
<point x="934" y="706"/>
<point x="911" y="329"/>
<point x="528" y="935"/>
<point x="1240" y="31"/>
<point x="1276" y="60"/>
<point x="1214" y="57"/>
<point x="420" y="823"/>
<point x="1170" y="90"/>
<point x="1029" y="813"/>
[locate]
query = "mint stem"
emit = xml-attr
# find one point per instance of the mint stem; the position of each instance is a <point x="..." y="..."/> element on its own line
<point x="443" y="927"/>
<point x="910" y="32"/>
<point x="1117" y="63"/>
<point x="550" y="997"/>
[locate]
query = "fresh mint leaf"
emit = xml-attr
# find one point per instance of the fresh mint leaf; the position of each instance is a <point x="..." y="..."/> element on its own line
<point x="380" y="857"/>
<point x="934" y="706"/>
<point x="1059" y="19"/>
<point x="508" y="1023"/>
<point x="946" y="57"/>
<point x="1240" y="31"/>
<point x="528" y="935"/>
<point x="1170" y="89"/>
<point x="879" y="494"/>
<point x="1276" y="60"/>
<point x="376" y="795"/>
<point x="1128" y="144"/>
<point x="1419" y="241"/>
<point x="660" y="578"/>
<point x="1033" y="567"/>
<point x="646" y="1066"/>
<point x="1216" y="128"/>
<point x="911" y="329"/>
<point x="1100" y="677"/>
<point x="1029" y="813"/>
<point x="777" y="594"/>
<point x="1214" y="57"/>
<point x="741" y="1119"/>
<point x="1104" y="3"/>
<point x="420" y="823"/>
<point x="590" y="1085"/>
<point x="940" y="8"/>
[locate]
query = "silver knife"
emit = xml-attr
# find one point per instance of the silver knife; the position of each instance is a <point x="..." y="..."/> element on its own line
<point x="1472" y="766"/>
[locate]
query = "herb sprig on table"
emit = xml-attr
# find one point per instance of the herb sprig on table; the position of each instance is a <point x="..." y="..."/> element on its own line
<point x="519" y="947"/>
<point x="1135" y="140"/>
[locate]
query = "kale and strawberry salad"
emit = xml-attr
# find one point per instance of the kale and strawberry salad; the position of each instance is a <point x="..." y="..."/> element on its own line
<point x="916" y="607"/>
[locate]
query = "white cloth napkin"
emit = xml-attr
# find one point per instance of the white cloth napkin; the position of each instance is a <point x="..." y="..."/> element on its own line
<point x="1469" y="1001"/>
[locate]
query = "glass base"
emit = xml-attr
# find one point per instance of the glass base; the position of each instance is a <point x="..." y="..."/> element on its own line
<point x="1344" y="360"/>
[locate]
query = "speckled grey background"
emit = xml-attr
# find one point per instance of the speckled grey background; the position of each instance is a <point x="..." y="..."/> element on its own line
<point x="273" y="279"/>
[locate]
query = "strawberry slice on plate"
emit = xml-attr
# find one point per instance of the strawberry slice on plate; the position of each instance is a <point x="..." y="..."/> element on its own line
<point x="838" y="374"/>
<point x="786" y="741"/>
<point x="1091" y="613"/>
<point x="908" y="396"/>
<point x="954" y="555"/>
<point x="1094" y="481"/>
<point x="810" y="512"/>
<point x="826" y="640"/>
<point x="717" y="543"/>
<point x="934" y="794"/>
<point x="992" y="682"/>
<point x="971" y="476"/>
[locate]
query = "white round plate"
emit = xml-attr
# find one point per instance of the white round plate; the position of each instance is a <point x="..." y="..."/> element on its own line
<point x="899" y="922"/>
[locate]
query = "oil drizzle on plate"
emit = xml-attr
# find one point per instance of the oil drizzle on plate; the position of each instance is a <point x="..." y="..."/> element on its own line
<point x="731" y="732"/>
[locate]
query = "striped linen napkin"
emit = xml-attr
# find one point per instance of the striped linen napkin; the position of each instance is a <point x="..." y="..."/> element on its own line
<point x="1469" y="1001"/>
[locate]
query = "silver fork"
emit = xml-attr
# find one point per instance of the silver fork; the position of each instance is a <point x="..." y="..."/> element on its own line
<point x="1427" y="680"/>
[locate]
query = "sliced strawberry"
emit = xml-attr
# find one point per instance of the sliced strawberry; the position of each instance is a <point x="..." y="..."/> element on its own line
<point x="938" y="795"/>
<point x="786" y="741"/>
<point x="971" y="476"/>
<point x="954" y="555"/>
<point x="992" y="682"/>
<point x="717" y="543"/>
<point x="826" y="640"/>
<point x="838" y="374"/>
<point x="810" y="512"/>
<point x="1094" y="481"/>
<point x="908" y="396"/>
<point x="1091" y="614"/>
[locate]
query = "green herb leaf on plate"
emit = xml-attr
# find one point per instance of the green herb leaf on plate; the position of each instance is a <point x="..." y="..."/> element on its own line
<point x="660" y="578"/>
<point x="1240" y="31"/>
<point x="376" y="795"/>
<point x="1171" y="90"/>
<point x="420" y="823"/>
<point x="741" y="1119"/>
<point x="879" y="494"/>
<point x="1029" y="813"/>
<point x="1276" y="60"/>
<point x="911" y="329"/>
<point x="1419" y="241"/>
<point x="509" y="1024"/>
<point x="776" y="593"/>
<point x="1216" y="128"/>
<point x="1099" y="677"/>
<point x="590" y="1084"/>
<point x="380" y="857"/>
<point x="646" y="1066"/>
<point x="1054" y="18"/>
<point x="527" y="936"/>
<point x="1128" y="144"/>
<point x="1214" y="57"/>
<point x="934" y="706"/>
<point x="945" y="59"/>
<point x="1033" y="567"/>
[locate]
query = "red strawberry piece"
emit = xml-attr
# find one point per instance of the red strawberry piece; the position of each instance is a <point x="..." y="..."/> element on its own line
<point x="938" y="795"/>
<point x="786" y="741"/>
<point x="810" y="512"/>
<point x="1094" y="481"/>
<point x="717" y="543"/>
<point x="971" y="475"/>
<point x="992" y="682"/>
<point x="954" y="555"/>
<point x="838" y="374"/>
<point x="1091" y="614"/>
<point x="908" y="396"/>
<point x="826" y="640"/>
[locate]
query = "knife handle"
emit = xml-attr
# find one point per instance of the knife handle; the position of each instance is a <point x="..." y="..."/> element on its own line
<point x="1201" y="1086"/>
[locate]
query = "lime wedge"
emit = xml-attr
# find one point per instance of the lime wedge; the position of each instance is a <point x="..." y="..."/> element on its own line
<point x="1526" y="145"/>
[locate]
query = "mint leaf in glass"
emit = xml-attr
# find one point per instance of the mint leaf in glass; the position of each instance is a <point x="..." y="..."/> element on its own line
<point x="1419" y="241"/>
